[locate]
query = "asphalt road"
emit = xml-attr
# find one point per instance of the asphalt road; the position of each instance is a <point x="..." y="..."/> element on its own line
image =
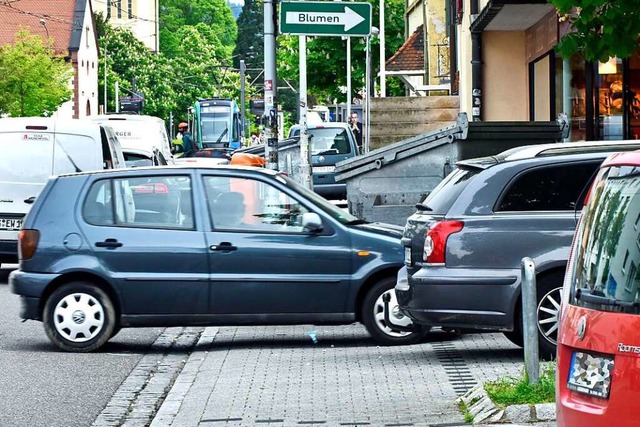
<point x="41" y="386"/>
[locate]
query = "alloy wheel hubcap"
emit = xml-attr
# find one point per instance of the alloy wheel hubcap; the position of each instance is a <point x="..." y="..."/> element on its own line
<point x="548" y="310"/>
<point x="78" y="317"/>
<point x="394" y="315"/>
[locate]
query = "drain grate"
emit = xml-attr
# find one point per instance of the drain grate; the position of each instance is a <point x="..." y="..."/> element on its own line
<point x="456" y="368"/>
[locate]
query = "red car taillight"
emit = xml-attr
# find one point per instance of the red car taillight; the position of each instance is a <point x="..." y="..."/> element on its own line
<point x="27" y="243"/>
<point x="435" y="244"/>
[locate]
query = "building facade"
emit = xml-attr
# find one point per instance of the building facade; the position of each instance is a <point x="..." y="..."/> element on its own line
<point x="139" y="16"/>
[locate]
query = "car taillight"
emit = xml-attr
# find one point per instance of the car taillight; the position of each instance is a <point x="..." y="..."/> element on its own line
<point x="27" y="243"/>
<point x="435" y="244"/>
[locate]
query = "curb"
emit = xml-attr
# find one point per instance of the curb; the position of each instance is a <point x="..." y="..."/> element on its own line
<point x="485" y="411"/>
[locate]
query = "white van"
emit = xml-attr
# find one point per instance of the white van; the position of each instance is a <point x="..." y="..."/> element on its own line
<point x="139" y="134"/>
<point x="34" y="148"/>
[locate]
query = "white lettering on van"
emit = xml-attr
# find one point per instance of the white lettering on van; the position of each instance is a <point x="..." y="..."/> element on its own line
<point x="36" y="137"/>
<point x="623" y="348"/>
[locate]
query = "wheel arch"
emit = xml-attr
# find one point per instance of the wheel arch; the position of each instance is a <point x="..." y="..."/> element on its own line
<point x="550" y="272"/>
<point x="384" y="273"/>
<point x="81" y="276"/>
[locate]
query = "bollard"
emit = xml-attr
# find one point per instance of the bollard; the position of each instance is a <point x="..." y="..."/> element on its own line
<point x="529" y="320"/>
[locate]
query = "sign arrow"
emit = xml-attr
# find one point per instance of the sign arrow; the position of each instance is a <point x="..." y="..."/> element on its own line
<point x="348" y="18"/>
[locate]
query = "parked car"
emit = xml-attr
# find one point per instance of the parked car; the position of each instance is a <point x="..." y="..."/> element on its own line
<point x="134" y="157"/>
<point x="599" y="339"/>
<point x="465" y="243"/>
<point x="242" y="246"/>
<point x="206" y="156"/>
<point x="33" y="149"/>
<point x="330" y="143"/>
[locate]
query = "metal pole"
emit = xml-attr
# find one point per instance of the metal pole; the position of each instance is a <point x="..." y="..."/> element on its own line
<point x="367" y="99"/>
<point x="383" y="77"/>
<point x="425" y="42"/>
<point x="105" y="76"/>
<point x="270" y="86"/>
<point x="349" y="95"/>
<point x="243" y="122"/>
<point x="305" y="157"/>
<point x="117" y="97"/>
<point x="529" y="320"/>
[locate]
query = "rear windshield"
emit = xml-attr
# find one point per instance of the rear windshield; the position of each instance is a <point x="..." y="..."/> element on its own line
<point x="606" y="259"/>
<point x="442" y="197"/>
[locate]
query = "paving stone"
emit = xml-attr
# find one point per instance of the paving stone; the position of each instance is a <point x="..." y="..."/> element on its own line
<point x="518" y="413"/>
<point x="546" y="411"/>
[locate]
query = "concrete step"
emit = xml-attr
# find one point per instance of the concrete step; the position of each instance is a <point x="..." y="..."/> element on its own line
<point x="413" y="116"/>
<point x="415" y="102"/>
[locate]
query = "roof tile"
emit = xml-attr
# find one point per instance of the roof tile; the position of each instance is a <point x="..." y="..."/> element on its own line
<point x="410" y="56"/>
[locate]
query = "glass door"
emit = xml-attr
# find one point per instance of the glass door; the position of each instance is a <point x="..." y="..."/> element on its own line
<point x="634" y="97"/>
<point x="609" y="96"/>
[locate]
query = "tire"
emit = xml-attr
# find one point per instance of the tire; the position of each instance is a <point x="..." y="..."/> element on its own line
<point x="79" y="317"/>
<point x="548" y="293"/>
<point x="549" y="300"/>
<point x="372" y="316"/>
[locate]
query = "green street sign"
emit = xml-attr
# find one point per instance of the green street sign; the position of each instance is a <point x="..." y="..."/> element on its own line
<point x="325" y="18"/>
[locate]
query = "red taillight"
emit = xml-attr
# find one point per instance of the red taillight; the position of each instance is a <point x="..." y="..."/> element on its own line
<point x="27" y="243"/>
<point x="435" y="244"/>
<point x="157" y="188"/>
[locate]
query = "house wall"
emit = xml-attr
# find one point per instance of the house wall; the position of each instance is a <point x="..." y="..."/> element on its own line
<point x="505" y="82"/>
<point x="144" y="20"/>
<point x="464" y="60"/>
<point x="87" y="70"/>
<point x="437" y="33"/>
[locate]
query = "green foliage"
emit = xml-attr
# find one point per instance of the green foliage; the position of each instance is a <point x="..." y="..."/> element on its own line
<point x="250" y="41"/>
<point x="518" y="391"/>
<point x="32" y="81"/>
<point x="600" y="28"/>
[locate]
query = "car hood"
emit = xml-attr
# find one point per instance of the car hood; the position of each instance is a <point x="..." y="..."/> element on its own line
<point x="382" y="228"/>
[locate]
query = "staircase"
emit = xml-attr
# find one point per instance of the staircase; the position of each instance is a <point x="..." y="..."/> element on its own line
<point x="397" y="118"/>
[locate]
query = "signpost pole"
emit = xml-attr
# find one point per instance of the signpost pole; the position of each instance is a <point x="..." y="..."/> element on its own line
<point x="271" y="113"/>
<point x="349" y="95"/>
<point x="305" y="157"/>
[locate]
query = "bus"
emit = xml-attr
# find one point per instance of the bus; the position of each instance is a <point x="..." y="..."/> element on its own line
<point x="216" y="123"/>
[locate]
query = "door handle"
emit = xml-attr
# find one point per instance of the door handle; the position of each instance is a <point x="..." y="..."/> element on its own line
<point x="223" y="247"/>
<point x="109" y="244"/>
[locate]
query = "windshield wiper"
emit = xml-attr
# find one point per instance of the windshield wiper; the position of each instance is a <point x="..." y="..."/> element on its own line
<point x="224" y="132"/>
<point x="597" y="297"/>
<point x="357" y="222"/>
<point x="423" y="208"/>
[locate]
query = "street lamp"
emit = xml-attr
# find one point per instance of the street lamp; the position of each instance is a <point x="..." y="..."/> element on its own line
<point x="368" y="89"/>
<point x="44" y="24"/>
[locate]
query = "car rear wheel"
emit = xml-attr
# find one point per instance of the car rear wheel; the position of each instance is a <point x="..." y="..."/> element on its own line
<point x="373" y="317"/>
<point x="79" y="317"/>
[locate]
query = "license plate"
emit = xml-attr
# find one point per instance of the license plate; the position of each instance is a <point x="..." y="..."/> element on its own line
<point x="324" y="169"/>
<point x="407" y="255"/>
<point x="590" y="374"/>
<point x="10" y="224"/>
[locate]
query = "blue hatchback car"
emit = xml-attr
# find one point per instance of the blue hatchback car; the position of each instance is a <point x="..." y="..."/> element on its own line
<point x="170" y="246"/>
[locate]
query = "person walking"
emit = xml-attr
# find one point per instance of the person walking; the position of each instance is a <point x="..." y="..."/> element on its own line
<point x="356" y="128"/>
<point x="188" y="144"/>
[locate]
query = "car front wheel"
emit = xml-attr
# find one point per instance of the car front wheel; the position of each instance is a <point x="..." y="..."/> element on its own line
<point x="79" y="317"/>
<point x="373" y="317"/>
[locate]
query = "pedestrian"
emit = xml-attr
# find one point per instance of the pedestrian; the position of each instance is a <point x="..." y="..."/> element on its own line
<point x="356" y="128"/>
<point x="255" y="139"/>
<point x="188" y="144"/>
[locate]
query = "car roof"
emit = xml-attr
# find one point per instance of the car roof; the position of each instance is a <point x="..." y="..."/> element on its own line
<point x="120" y="117"/>
<point x="623" y="159"/>
<point x="551" y="150"/>
<point x="47" y="124"/>
<point x="177" y="167"/>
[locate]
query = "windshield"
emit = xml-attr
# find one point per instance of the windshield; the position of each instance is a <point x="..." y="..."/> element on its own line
<point x="606" y="260"/>
<point x="328" y="141"/>
<point x="338" y="214"/>
<point x="214" y="127"/>
<point x="447" y="191"/>
<point x="133" y="160"/>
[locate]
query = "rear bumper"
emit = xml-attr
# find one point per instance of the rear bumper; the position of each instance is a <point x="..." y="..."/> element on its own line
<point x="30" y="287"/>
<point x="8" y="251"/>
<point x="331" y="191"/>
<point x="460" y="298"/>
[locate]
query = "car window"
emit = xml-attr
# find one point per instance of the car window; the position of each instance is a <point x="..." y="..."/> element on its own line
<point x="328" y="141"/>
<point x="607" y="255"/>
<point x="251" y="205"/>
<point x="154" y="201"/>
<point x="133" y="160"/>
<point x="553" y="188"/>
<point x="447" y="191"/>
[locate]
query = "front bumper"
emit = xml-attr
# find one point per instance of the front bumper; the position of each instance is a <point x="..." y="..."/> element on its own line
<point x="460" y="298"/>
<point x="9" y="251"/>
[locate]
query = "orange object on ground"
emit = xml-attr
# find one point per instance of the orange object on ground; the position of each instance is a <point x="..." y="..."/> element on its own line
<point x="248" y="160"/>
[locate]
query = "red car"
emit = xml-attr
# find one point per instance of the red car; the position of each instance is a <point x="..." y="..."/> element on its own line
<point x="598" y="376"/>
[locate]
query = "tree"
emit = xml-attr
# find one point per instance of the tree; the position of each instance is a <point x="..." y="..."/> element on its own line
<point x="250" y="40"/>
<point x="32" y="82"/>
<point x="600" y="29"/>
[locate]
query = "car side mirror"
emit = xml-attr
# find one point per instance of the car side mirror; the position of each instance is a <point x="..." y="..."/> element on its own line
<point x="311" y="222"/>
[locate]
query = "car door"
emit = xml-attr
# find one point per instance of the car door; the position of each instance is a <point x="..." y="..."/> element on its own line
<point x="262" y="261"/>
<point x="143" y="233"/>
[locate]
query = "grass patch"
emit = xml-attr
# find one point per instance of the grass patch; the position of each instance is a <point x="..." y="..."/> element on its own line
<point x="468" y="417"/>
<point x="518" y="391"/>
